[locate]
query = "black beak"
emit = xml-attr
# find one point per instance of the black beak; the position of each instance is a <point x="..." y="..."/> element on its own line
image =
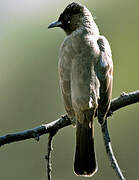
<point x="55" y="24"/>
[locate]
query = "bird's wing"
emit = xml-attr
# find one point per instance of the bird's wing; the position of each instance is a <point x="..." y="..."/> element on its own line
<point x="64" y="69"/>
<point x="104" y="71"/>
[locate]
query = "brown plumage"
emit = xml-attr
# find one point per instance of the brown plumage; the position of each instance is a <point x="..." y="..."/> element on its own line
<point x="85" y="72"/>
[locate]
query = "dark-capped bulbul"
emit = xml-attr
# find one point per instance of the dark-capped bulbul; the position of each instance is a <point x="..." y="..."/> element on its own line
<point x="85" y="72"/>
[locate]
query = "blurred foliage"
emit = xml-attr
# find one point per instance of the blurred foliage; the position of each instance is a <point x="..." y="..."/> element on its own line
<point x="30" y="94"/>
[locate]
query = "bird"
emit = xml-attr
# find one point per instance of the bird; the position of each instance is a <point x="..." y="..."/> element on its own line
<point x="85" y="69"/>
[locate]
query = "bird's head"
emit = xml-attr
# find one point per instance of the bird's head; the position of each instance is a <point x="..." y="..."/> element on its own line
<point x="74" y="16"/>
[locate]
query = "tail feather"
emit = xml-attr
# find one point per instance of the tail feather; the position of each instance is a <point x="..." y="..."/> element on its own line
<point x="85" y="161"/>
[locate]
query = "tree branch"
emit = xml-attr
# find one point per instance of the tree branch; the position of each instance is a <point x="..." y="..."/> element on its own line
<point x="117" y="103"/>
<point x="48" y="156"/>
<point x="123" y="100"/>
<point x="35" y="132"/>
<point x="51" y="128"/>
<point x="109" y="151"/>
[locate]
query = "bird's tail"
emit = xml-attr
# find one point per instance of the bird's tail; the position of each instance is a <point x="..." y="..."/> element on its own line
<point x="85" y="161"/>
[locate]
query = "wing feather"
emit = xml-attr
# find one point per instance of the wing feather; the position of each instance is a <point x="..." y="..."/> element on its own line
<point x="64" y="69"/>
<point x="104" y="71"/>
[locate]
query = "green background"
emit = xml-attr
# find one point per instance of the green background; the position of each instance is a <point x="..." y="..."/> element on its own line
<point x="30" y="94"/>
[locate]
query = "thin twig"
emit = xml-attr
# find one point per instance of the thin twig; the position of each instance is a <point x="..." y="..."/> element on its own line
<point x="48" y="156"/>
<point x="109" y="150"/>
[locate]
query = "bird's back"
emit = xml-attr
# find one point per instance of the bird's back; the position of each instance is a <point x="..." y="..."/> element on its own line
<point x="78" y="54"/>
